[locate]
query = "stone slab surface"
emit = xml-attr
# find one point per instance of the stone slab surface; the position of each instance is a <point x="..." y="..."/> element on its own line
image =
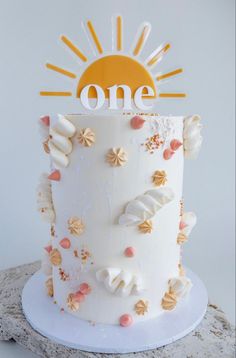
<point x="213" y="338"/>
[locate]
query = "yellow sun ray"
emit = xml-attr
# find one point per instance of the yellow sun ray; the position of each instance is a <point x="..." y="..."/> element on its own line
<point x="158" y="55"/>
<point x="55" y="93"/>
<point x="169" y="74"/>
<point x="141" y="41"/>
<point x="60" y="70"/>
<point x="119" y="39"/>
<point x="172" y="95"/>
<point x="95" y="37"/>
<point x="73" y="48"/>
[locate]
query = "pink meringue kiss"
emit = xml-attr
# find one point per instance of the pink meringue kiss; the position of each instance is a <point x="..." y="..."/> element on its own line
<point x="85" y="288"/>
<point x="175" y="144"/>
<point x="45" y="120"/>
<point x="137" y="122"/>
<point x="48" y="248"/>
<point x="167" y="154"/>
<point x="65" y="243"/>
<point x="129" y="251"/>
<point x="182" y="225"/>
<point x="56" y="175"/>
<point x="126" y="320"/>
<point x="79" y="296"/>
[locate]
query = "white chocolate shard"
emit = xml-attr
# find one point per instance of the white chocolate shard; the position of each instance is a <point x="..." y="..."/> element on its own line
<point x="192" y="136"/>
<point x="180" y="286"/>
<point x="120" y="282"/>
<point x="145" y="206"/>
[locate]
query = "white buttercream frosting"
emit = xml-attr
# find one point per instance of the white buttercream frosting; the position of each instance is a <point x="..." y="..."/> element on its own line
<point x="120" y="282"/>
<point x="44" y="199"/>
<point x="60" y="144"/>
<point x="190" y="219"/>
<point x="145" y="206"/>
<point x="180" y="286"/>
<point x="192" y="136"/>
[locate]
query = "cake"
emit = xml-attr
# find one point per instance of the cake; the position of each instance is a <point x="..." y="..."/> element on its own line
<point x="113" y="199"/>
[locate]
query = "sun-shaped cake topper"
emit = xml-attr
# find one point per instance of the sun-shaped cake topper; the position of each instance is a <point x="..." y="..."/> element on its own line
<point x="116" y="75"/>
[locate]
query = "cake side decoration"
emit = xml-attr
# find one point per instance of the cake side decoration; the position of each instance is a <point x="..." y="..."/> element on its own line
<point x="60" y="144"/>
<point x="179" y="287"/>
<point x="44" y="199"/>
<point x="187" y="223"/>
<point x="55" y="257"/>
<point x="120" y="282"/>
<point x="145" y="206"/>
<point x="116" y="157"/>
<point x="146" y="227"/>
<point x="76" y="226"/>
<point x="49" y="286"/>
<point x="86" y="137"/>
<point x="159" y="177"/>
<point x="192" y="136"/>
<point x="141" y="307"/>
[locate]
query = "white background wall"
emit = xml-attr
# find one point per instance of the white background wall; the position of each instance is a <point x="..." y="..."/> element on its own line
<point x="201" y="33"/>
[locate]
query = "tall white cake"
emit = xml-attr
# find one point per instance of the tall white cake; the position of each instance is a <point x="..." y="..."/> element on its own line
<point x="113" y="198"/>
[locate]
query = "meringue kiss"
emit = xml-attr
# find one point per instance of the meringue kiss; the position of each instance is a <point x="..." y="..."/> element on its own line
<point x="137" y="122"/>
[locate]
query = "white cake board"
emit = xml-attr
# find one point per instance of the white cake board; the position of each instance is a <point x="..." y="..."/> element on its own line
<point x="45" y="317"/>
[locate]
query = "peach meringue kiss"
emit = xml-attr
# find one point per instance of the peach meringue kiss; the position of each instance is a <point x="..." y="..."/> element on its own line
<point x="182" y="225"/>
<point x="126" y="320"/>
<point x="56" y="175"/>
<point x="168" y="153"/>
<point x="65" y="243"/>
<point x="48" y="248"/>
<point x="79" y="296"/>
<point x="175" y="144"/>
<point x="45" y="120"/>
<point x="129" y="251"/>
<point x="85" y="288"/>
<point x="137" y="122"/>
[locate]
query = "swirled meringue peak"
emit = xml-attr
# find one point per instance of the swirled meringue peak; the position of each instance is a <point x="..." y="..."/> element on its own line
<point x="192" y="136"/>
<point x="145" y="206"/>
<point x="60" y="145"/>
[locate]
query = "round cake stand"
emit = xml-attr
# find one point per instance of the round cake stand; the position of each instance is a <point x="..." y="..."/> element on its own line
<point x="45" y="317"/>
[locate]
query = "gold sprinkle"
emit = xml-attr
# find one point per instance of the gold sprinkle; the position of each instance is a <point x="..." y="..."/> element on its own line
<point x="49" y="286"/>
<point x="72" y="303"/>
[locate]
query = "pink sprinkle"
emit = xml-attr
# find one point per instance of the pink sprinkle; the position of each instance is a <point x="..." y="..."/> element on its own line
<point x="85" y="288"/>
<point x="175" y="144"/>
<point x="56" y="175"/>
<point x="45" y="120"/>
<point x="65" y="243"/>
<point x="129" y="251"/>
<point x="137" y="122"/>
<point x="79" y="296"/>
<point x="48" y="248"/>
<point x="126" y="320"/>
<point x="182" y="225"/>
<point x="167" y="154"/>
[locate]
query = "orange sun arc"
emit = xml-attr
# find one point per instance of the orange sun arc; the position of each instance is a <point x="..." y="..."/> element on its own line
<point x="115" y="70"/>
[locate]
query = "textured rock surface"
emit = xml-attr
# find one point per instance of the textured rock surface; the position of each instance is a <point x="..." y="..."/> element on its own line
<point x="214" y="337"/>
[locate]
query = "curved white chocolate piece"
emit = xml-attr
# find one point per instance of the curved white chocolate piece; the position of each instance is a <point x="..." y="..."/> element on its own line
<point x="180" y="286"/>
<point x="190" y="220"/>
<point x="192" y="136"/>
<point x="120" y="282"/>
<point x="145" y="206"/>
<point x="44" y="199"/>
<point x="64" y="127"/>
<point x="62" y="143"/>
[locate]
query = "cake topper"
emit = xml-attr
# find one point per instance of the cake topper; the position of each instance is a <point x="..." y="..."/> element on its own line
<point x="117" y="76"/>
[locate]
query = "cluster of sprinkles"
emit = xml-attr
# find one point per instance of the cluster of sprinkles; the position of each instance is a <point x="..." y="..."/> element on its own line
<point x="153" y="143"/>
